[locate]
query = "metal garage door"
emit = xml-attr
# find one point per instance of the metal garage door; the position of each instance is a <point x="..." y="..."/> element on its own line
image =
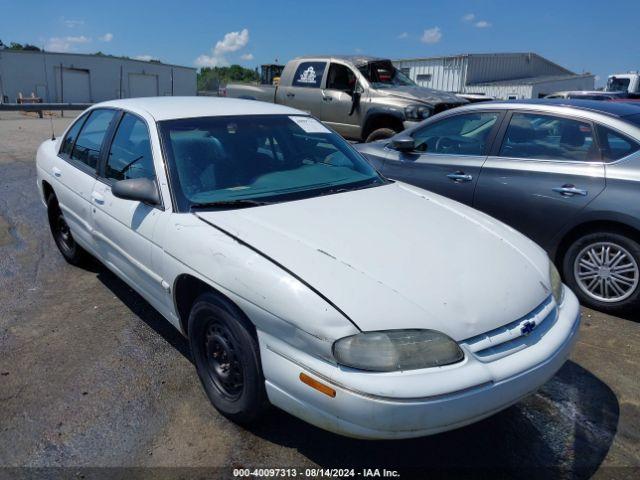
<point x="143" y="85"/>
<point x="76" y="86"/>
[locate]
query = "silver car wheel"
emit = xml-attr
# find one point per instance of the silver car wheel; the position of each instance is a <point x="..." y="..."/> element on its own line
<point x="606" y="272"/>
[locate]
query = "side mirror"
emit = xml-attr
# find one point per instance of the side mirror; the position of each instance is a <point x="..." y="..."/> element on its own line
<point x="403" y="143"/>
<point x="139" y="189"/>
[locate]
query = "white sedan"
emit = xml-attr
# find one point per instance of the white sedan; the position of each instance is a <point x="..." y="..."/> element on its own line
<point x="302" y="277"/>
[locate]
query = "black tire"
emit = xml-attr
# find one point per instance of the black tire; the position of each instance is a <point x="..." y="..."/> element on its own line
<point x="227" y="359"/>
<point x="70" y="250"/>
<point x="380" y="134"/>
<point x="571" y="267"/>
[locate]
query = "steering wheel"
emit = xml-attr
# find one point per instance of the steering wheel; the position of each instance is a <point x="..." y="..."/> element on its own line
<point x="444" y="143"/>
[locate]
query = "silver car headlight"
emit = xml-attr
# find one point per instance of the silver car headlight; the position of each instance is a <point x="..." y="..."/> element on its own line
<point x="556" y="283"/>
<point x="391" y="350"/>
<point x="417" y="112"/>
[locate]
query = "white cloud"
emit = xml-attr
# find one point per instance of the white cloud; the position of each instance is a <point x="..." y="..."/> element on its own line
<point x="107" y="37"/>
<point x="431" y="35"/>
<point x="247" y="56"/>
<point x="469" y="17"/>
<point x="145" y="58"/>
<point x="231" y="42"/>
<point x="482" y="24"/>
<point x="73" y="23"/>
<point x="403" y="35"/>
<point x="65" y="44"/>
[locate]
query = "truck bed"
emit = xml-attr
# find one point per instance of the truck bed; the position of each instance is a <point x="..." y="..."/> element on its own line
<point x="263" y="93"/>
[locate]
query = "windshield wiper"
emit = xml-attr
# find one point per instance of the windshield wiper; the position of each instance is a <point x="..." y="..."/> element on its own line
<point x="349" y="188"/>
<point x="239" y="203"/>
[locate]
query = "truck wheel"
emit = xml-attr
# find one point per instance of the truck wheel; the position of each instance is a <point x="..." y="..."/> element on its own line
<point x="380" y="134"/>
<point x="603" y="269"/>
<point x="71" y="251"/>
<point x="227" y="359"/>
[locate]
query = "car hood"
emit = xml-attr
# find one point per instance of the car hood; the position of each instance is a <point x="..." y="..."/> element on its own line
<point x="396" y="256"/>
<point x="422" y="94"/>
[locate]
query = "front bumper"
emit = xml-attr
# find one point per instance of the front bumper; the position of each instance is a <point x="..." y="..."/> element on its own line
<point x="415" y="403"/>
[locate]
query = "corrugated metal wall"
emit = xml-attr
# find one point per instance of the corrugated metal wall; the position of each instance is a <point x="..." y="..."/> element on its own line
<point x="446" y="73"/>
<point x="496" y="67"/>
<point x="97" y="78"/>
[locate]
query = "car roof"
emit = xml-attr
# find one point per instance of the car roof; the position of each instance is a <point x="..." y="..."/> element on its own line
<point x="613" y="109"/>
<point x="357" y="60"/>
<point x="169" y="108"/>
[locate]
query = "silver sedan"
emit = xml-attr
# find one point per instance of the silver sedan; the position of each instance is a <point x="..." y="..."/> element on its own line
<point x="566" y="173"/>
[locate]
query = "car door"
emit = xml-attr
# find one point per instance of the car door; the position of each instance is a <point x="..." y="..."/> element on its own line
<point x="124" y="229"/>
<point x="305" y="93"/>
<point x="448" y="154"/>
<point x="337" y="101"/>
<point x="74" y="171"/>
<point x="543" y="171"/>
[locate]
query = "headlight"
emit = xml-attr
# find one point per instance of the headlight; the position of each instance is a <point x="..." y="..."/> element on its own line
<point x="416" y="112"/>
<point x="392" y="350"/>
<point x="556" y="283"/>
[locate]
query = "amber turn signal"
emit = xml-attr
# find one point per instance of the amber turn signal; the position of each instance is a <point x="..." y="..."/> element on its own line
<point x="321" y="387"/>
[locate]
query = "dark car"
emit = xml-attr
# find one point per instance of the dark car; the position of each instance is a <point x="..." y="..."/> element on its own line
<point x="565" y="173"/>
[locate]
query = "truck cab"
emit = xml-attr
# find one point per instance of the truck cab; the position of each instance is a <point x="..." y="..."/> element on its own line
<point x="625" y="82"/>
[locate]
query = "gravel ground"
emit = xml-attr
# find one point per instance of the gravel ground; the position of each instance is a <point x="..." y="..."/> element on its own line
<point x="92" y="376"/>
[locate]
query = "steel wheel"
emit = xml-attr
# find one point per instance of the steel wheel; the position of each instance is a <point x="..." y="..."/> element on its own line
<point x="606" y="271"/>
<point x="225" y="369"/>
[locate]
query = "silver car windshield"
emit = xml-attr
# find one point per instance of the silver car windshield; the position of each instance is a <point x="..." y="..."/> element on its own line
<point x="385" y="75"/>
<point x="259" y="158"/>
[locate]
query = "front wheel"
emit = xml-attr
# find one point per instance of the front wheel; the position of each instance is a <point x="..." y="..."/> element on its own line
<point x="603" y="270"/>
<point x="227" y="359"/>
<point x="380" y="134"/>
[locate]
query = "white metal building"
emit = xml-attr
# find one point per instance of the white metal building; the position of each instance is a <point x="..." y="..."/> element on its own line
<point x="80" y="78"/>
<point x="501" y="75"/>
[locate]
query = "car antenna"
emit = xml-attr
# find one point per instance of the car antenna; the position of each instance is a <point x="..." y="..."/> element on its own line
<point x="53" y="135"/>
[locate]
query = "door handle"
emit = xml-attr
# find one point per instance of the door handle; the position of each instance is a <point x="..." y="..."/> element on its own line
<point x="326" y="99"/>
<point x="291" y="95"/>
<point x="56" y="172"/>
<point x="97" y="197"/>
<point x="568" y="190"/>
<point x="460" y="177"/>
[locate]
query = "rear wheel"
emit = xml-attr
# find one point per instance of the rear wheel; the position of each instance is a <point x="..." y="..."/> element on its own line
<point x="603" y="269"/>
<point x="71" y="251"/>
<point x="380" y="134"/>
<point x="227" y="359"/>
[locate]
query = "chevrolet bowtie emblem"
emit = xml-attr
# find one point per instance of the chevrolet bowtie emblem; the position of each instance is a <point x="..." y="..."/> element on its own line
<point x="527" y="327"/>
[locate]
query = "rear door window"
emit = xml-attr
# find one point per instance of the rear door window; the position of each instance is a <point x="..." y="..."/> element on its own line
<point x="70" y="137"/>
<point x="615" y="145"/>
<point x="87" y="147"/>
<point x="548" y="137"/>
<point x="309" y="74"/>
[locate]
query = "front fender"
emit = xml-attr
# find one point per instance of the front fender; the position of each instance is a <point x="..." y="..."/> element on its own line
<point x="276" y="301"/>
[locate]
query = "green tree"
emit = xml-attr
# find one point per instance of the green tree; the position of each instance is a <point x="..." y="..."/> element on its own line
<point x="210" y="78"/>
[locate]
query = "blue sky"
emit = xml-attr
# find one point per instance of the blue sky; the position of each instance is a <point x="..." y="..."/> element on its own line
<point x="581" y="35"/>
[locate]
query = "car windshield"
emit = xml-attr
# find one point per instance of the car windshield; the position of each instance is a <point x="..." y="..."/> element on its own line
<point x="385" y="75"/>
<point x="618" y="84"/>
<point x="248" y="160"/>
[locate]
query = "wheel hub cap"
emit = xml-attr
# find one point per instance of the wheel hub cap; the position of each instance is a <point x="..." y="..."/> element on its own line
<point x="606" y="272"/>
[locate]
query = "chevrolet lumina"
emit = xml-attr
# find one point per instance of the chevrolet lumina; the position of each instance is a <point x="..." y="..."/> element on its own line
<point x="302" y="277"/>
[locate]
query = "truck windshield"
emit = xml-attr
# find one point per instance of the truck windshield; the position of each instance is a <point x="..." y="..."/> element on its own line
<point x="615" y="84"/>
<point x="240" y="161"/>
<point x="384" y="75"/>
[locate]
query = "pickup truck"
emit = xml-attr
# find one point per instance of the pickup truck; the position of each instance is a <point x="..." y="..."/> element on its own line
<point x="629" y="83"/>
<point x="362" y="98"/>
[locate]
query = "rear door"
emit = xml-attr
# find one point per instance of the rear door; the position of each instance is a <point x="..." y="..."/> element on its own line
<point x="305" y="93"/>
<point x="74" y="170"/>
<point x="543" y="170"/>
<point x="448" y="156"/>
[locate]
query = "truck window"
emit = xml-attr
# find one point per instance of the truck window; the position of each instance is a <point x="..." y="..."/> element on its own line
<point x="309" y="74"/>
<point x="341" y="78"/>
